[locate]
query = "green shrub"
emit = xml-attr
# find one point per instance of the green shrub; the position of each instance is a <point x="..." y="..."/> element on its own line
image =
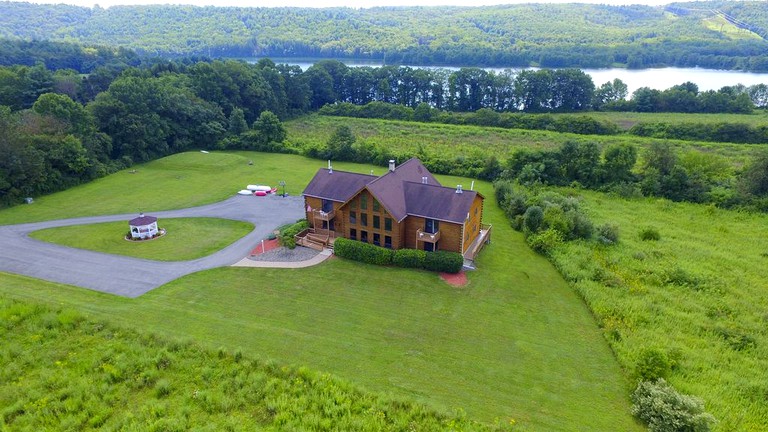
<point x="608" y="234"/>
<point x="409" y="258"/>
<point x="664" y="409"/>
<point x="286" y="236"/>
<point x="363" y="252"/>
<point x="443" y="261"/>
<point x="533" y="218"/>
<point x="650" y="234"/>
<point x="652" y="365"/>
<point x="544" y="242"/>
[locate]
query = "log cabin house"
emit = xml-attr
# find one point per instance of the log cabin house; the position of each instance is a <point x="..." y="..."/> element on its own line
<point x="405" y="208"/>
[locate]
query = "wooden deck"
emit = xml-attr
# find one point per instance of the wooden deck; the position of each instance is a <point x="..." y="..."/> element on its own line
<point x="483" y="239"/>
<point x="316" y="239"/>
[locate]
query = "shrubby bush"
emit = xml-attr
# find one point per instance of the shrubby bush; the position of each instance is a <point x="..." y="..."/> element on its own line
<point x="286" y="236"/>
<point x="443" y="261"/>
<point x="409" y="258"/>
<point x="440" y="261"/>
<point x="608" y="234"/>
<point x="363" y="252"/>
<point x="652" y="364"/>
<point x="545" y="241"/>
<point x="650" y="234"/>
<point x="664" y="409"/>
<point x="546" y="218"/>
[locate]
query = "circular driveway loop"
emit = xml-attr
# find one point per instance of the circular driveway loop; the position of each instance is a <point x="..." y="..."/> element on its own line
<point x="132" y="277"/>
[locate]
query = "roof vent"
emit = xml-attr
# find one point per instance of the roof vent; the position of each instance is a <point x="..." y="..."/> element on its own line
<point x="391" y="164"/>
<point x="424" y="180"/>
<point x="330" y="168"/>
<point x="459" y="189"/>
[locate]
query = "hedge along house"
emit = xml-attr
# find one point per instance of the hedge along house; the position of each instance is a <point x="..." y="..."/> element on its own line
<point x="143" y="227"/>
<point x="405" y="208"/>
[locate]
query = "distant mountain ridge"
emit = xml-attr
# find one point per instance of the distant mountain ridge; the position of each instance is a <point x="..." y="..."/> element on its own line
<point x="550" y="35"/>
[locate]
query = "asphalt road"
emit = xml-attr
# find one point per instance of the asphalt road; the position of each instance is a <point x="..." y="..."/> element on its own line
<point x="132" y="277"/>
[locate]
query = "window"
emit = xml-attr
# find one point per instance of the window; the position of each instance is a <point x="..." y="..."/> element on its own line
<point x="364" y="236"/>
<point x="376" y="222"/>
<point x="375" y="205"/>
<point x="364" y="219"/>
<point x="388" y="242"/>
<point x="387" y="224"/>
<point x="352" y="234"/>
<point x="327" y="206"/>
<point x="431" y="226"/>
<point x="352" y="217"/>
<point x="363" y="202"/>
<point x="475" y="211"/>
<point x="377" y="239"/>
<point x="353" y="204"/>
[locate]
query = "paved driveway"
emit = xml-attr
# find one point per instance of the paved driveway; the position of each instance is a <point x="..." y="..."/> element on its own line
<point x="132" y="277"/>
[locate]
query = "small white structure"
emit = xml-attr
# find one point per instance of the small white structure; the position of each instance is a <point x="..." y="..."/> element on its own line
<point x="143" y="227"/>
<point x="256" y="188"/>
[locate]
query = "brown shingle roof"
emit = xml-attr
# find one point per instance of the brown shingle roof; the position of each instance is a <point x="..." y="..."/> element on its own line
<point x="388" y="189"/>
<point x="438" y="202"/>
<point x="401" y="192"/>
<point x="337" y="186"/>
<point x="142" y="220"/>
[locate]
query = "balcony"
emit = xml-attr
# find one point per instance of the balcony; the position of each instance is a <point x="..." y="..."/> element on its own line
<point x="323" y="216"/>
<point x="424" y="236"/>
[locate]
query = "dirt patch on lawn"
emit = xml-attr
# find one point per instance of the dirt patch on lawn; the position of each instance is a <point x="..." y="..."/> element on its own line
<point x="455" y="279"/>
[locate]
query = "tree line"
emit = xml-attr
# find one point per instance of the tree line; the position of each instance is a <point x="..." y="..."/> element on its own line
<point x="499" y="36"/>
<point x="60" y="128"/>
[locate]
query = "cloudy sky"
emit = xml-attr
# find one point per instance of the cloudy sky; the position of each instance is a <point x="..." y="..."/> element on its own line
<point x="333" y="3"/>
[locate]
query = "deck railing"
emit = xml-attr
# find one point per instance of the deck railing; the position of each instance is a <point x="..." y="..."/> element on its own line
<point x="324" y="216"/>
<point x="424" y="236"/>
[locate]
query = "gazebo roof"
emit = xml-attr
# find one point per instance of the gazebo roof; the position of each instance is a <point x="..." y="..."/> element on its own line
<point x="142" y="220"/>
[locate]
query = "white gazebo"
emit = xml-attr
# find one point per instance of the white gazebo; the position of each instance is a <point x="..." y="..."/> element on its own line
<point x="143" y="227"/>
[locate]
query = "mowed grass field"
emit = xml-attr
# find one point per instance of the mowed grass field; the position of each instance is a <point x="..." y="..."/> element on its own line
<point x="185" y="238"/>
<point x="699" y="294"/>
<point x="476" y="141"/>
<point x="516" y="344"/>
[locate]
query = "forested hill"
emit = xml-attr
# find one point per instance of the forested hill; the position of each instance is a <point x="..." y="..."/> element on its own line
<point x="550" y="35"/>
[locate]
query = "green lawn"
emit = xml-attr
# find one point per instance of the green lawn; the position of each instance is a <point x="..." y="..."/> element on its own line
<point x="180" y="181"/>
<point x="516" y="343"/>
<point x="185" y="238"/>
<point x="699" y="294"/>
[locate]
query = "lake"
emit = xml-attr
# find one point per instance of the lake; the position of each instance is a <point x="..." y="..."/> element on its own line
<point x="661" y="78"/>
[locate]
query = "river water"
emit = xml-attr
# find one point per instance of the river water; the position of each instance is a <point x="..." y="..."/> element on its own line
<point x="660" y="79"/>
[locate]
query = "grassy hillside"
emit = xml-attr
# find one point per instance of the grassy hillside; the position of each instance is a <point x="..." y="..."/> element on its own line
<point x="64" y="372"/>
<point x="699" y="295"/>
<point x="458" y="141"/>
<point x="515" y="344"/>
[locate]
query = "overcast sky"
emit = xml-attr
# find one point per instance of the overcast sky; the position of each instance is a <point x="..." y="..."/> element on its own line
<point x="333" y="3"/>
